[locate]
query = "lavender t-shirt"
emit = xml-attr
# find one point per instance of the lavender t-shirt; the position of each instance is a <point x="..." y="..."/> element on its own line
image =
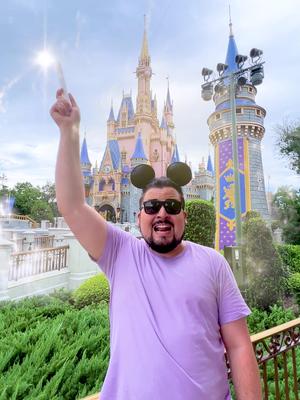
<point x="165" y="318"/>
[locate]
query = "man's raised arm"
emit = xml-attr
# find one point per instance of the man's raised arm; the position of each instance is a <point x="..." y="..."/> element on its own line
<point x="87" y="225"/>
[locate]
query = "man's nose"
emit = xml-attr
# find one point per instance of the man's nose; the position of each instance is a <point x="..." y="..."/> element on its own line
<point x="162" y="212"/>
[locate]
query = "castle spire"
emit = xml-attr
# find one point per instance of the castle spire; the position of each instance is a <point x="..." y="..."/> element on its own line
<point x="144" y="51"/>
<point x="139" y="153"/>
<point x="232" y="50"/>
<point x="230" y="23"/>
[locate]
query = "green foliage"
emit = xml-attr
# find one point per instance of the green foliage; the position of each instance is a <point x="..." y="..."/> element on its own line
<point x="201" y="222"/>
<point x="260" y="320"/>
<point x="93" y="291"/>
<point x="25" y="196"/>
<point x="264" y="268"/>
<point x="290" y="256"/>
<point x="294" y="283"/>
<point x="287" y="203"/>
<point x="52" y="351"/>
<point x="289" y="143"/>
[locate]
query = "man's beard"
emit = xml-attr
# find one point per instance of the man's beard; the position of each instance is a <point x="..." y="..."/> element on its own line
<point x="163" y="247"/>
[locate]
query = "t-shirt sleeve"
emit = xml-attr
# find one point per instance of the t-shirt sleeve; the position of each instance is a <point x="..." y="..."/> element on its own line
<point x="231" y="304"/>
<point x="116" y="239"/>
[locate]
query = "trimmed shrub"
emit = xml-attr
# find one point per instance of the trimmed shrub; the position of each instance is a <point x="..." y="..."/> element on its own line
<point x="294" y="284"/>
<point x="94" y="290"/>
<point x="46" y="354"/>
<point x="290" y="256"/>
<point x="264" y="268"/>
<point x="201" y="222"/>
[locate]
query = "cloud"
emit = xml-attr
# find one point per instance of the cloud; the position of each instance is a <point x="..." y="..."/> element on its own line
<point x="4" y="90"/>
<point x="80" y="22"/>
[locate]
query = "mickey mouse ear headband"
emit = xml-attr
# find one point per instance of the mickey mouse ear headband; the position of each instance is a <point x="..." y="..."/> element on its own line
<point x="178" y="172"/>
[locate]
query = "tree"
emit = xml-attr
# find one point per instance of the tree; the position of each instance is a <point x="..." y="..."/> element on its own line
<point x="289" y="143"/>
<point x="265" y="271"/>
<point x="25" y="195"/>
<point x="32" y="201"/>
<point x="201" y="222"/>
<point x="287" y="203"/>
<point x="49" y="195"/>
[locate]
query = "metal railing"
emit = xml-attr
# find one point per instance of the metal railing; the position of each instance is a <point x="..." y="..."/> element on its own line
<point x="29" y="263"/>
<point x="277" y="353"/>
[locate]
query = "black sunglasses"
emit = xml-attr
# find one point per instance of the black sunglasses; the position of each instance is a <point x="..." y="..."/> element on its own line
<point x="171" y="206"/>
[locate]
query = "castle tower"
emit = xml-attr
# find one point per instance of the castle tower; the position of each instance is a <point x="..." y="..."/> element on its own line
<point x="250" y="131"/>
<point x="138" y="157"/>
<point x="86" y="170"/>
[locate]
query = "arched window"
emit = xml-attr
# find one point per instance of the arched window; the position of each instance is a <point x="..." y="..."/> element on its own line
<point x="101" y="185"/>
<point x="112" y="183"/>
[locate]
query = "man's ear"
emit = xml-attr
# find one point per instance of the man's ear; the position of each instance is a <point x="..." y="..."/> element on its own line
<point x="185" y="216"/>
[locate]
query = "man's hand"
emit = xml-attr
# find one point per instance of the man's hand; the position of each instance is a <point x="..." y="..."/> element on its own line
<point x="65" y="114"/>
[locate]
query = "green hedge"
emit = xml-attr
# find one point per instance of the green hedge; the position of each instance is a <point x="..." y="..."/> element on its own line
<point x="201" y="222"/>
<point x="51" y="350"/>
<point x="290" y="255"/>
<point x="294" y="284"/>
<point x="93" y="291"/>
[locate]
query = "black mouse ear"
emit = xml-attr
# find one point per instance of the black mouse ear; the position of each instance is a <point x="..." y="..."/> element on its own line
<point x="141" y="175"/>
<point x="180" y="173"/>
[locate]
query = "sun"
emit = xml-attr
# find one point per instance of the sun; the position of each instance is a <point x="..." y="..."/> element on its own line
<point x="45" y="59"/>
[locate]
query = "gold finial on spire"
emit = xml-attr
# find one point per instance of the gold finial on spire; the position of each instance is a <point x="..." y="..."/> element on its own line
<point x="145" y="52"/>
<point x="230" y="23"/>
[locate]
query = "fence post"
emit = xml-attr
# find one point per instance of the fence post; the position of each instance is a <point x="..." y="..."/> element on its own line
<point x="6" y="248"/>
<point x="80" y="265"/>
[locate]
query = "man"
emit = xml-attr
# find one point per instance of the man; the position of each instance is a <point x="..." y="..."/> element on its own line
<point x="173" y="303"/>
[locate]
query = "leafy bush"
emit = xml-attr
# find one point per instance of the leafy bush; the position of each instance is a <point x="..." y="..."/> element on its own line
<point x="93" y="291"/>
<point x="260" y="320"/>
<point x="264" y="268"/>
<point x="201" y="222"/>
<point x="46" y="354"/>
<point x="290" y="256"/>
<point x="294" y="283"/>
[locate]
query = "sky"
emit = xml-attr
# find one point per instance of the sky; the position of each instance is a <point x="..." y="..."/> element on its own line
<point x="98" y="44"/>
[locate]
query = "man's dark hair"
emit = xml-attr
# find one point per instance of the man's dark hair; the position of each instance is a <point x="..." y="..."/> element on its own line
<point x="161" y="183"/>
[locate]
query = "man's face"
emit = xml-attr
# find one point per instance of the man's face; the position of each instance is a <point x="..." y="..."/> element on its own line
<point x="162" y="231"/>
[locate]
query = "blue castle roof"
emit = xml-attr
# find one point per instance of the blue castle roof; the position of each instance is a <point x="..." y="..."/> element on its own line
<point x="175" y="156"/>
<point x="232" y="51"/>
<point x="209" y="165"/>
<point x="127" y="102"/>
<point x="84" y="157"/>
<point x="114" y="152"/>
<point x="139" y="149"/>
<point x="168" y="103"/>
<point x="111" y="115"/>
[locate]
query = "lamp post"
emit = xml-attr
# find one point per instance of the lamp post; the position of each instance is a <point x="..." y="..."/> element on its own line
<point x="253" y="74"/>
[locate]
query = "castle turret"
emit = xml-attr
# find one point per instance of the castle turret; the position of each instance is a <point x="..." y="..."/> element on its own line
<point x="111" y="124"/>
<point x="250" y="131"/>
<point x="86" y="169"/>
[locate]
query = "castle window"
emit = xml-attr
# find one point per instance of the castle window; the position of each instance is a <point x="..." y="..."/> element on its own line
<point x="250" y="89"/>
<point x="258" y="112"/>
<point x="239" y="111"/>
<point x="101" y="185"/>
<point x="112" y="183"/>
<point x="218" y="116"/>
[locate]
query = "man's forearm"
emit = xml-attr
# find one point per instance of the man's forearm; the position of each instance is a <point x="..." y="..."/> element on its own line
<point x="245" y="374"/>
<point x="68" y="175"/>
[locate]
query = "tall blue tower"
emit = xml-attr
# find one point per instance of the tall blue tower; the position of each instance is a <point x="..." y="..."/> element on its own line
<point x="250" y="131"/>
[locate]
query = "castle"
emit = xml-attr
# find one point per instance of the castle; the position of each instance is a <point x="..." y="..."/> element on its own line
<point x="134" y="137"/>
